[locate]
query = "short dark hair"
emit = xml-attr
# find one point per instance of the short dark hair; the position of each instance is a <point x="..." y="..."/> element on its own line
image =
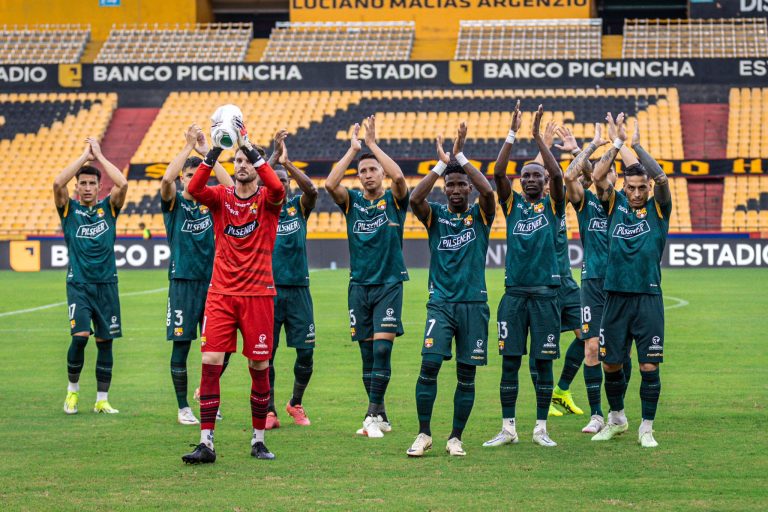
<point x="192" y="161"/>
<point x="366" y="156"/>
<point x="454" y="167"/>
<point x="636" y="170"/>
<point x="89" y="170"/>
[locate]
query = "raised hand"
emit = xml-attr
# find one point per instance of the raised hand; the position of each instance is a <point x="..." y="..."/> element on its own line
<point x="95" y="147"/>
<point x="201" y="143"/>
<point x="190" y="135"/>
<point x="535" y="130"/>
<point x="283" y="158"/>
<point x="517" y="118"/>
<point x="598" y="140"/>
<point x="370" y="131"/>
<point x="616" y="129"/>
<point x="549" y="133"/>
<point x="636" y="135"/>
<point x="569" y="141"/>
<point x="279" y="142"/>
<point x="441" y="154"/>
<point x="354" y="142"/>
<point x="461" y="138"/>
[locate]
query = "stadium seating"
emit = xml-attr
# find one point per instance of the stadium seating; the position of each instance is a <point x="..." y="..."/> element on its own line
<point x="748" y="123"/>
<point x="201" y="42"/>
<point x="408" y="120"/>
<point x="43" y="44"/>
<point x="340" y="41"/>
<point x="43" y="133"/>
<point x="745" y="203"/>
<point x="529" y="39"/>
<point x="695" y="38"/>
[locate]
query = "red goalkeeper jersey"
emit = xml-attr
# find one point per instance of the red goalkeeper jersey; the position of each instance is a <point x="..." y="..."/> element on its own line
<point x="245" y="230"/>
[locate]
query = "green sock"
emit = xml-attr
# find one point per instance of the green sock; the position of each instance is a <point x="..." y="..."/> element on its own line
<point x="544" y="385"/>
<point x="574" y="357"/>
<point x="179" y="370"/>
<point x="615" y="387"/>
<point x="533" y="370"/>
<point x="463" y="398"/>
<point x="302" y="372"/>
<point x="76" y="358"/>
<point x="508" y="389"/>
<point x="382" y="370"/>
<point x="627" y="373"/>
<point x="593" y="379"/>
<point x="650" y="389"/>
<point x="426" y="391"/>
<point x="104" y="364"/>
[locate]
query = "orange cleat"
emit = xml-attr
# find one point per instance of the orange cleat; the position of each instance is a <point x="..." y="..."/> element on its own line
<point x="298" y="414"/>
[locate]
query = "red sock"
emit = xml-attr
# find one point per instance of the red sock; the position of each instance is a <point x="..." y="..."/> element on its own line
<point x="259" y="397"/>
<point x="210" y="399"/>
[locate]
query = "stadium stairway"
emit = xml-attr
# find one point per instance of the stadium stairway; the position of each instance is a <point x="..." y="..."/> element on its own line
<point x="705" y="197"/>
<point x="124" y="134"/>
<point x="705" y="130"/>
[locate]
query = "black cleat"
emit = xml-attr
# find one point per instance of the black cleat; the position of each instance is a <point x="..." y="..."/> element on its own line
<point x="201" y="455"/>
<point x="260" y="451"/>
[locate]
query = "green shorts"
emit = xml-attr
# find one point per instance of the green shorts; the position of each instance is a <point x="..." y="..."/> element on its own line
<point x="592" y="304"/>
<point x="570" y="304"/>
<point x="534" y="310"/>
<point x="97" y="304"/>
<point x="375" y="308"/>
<point x="186" y="308"/>
<point x="467" y="322"/>
<point x="294" y="311"/>
<point x="638" y="316"/>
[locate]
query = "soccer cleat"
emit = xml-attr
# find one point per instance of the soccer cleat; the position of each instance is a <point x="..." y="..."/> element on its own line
<point x="565" y="400"/>
<point x="102" y="406"/>
<point x="201" y="455"/>
<point x="385" y="426"/>
<point x="554" y="411"/>
<point x="187" y="417"/>
<point x="502" y="438"/>
<point x="298" y="414"/>
<point x="646" y="439"/>
<point x="422" y="443"/>
<point x="610" y="431"/>
<point x="595" y="425"/>
<point x="455" y="447"/>
<point x="219" y="417"/>
<point x="70" y="403"/>
<point x="272" y="421"/>
<point x="541" y="437"/>
<point x="260" y="451"/>
<point x="371" y="427"/>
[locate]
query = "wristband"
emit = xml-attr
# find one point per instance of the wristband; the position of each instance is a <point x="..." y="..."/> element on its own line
<point x="510" y="137"/>
<point x="461" y="159"/>
<point x="439" y="168"/>
<point x="212" y="156"/>
<point x="618" y="143"/>
<point x="575" y="152"/>
<point x="253" y="156"/>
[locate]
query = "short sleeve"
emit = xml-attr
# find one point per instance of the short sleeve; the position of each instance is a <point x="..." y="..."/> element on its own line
<point x="487" y="219"/>
<point x="402" y="204"/>
<point x="299" y="205"/>
<point x="64" y="210"/>
<point x="506" y="206"/>
<point x="351" y="197"/>
<point x="107" y="205"/>
<point x="168" y="206"/>
<point x="664" y="210"/>
<point x="610" y="205"/>
<point x="433" y="213"/>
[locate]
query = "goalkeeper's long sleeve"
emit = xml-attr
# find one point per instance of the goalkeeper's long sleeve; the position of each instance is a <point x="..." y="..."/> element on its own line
<point x="275" y="190"/>
<point x="198" y="185"/>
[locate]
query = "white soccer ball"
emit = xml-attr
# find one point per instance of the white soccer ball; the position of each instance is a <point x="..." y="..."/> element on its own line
<point x="223" y="128"/>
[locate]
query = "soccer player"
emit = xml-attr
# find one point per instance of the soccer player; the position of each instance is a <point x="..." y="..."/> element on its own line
<point x="375" y="222"/>
<point x="293" y="302"/>
<point x="242" y="289"/>
<point x="458" y="298"/>
<point x="532" y="277"/>
<point x="634" y="309"/>
<point x="189" y="228"/>
<point x="88" y="225"/>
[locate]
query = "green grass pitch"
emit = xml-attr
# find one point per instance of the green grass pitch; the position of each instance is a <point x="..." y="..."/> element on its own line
<point x="709" y="425"/>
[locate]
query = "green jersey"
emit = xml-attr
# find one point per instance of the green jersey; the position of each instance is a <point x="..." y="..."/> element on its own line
<point x="531" y="231"/>
<point x="89" y="232"/>
<point x="593" y="231"/>
<point x="637" y="239"/>
<point x="458" y="243"/>
<point x="561" y="246"/>
<point x="289" y="258"/>
<point x="375" y="234"/>
<point x="189" y="229"/>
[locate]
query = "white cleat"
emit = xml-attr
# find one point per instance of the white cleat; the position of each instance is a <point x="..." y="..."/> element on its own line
<point x="385" y="426"/>
<point x="646" y="439"/>
<point x="455" y="447"/>
<point x="610" y="431"/>
<point x="422" y="443"/>
<point x="541" y="437"/>
<point x="187" y="417"/>
<point x="371" y="427"/>
<point x="595" y="425"/>
<point x="502" y="438"/>
<point x="219" y="417"/>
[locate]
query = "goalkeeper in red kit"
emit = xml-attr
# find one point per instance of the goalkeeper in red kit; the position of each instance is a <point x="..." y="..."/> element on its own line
<point x="242" y="291"/>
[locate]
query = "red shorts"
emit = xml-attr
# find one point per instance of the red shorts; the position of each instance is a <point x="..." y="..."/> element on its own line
<point x="225" y="314"/>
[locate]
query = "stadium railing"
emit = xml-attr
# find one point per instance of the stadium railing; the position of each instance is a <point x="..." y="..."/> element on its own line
<point x="43" y="44"/>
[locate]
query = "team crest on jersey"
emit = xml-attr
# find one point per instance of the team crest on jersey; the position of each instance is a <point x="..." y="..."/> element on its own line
<point x="100" y="212"/>
<point x="428" y="342"/>
<point x="501" y="344"/>
<point x="253" y="208"/>
<point x="352" y="331"/>
<point x="538" y="207"/>
<point x="468" y="220"/>
<point x="178" y="331"/>
<point x="203" y="209"/>
<point x="585" y="328"/>
<point x="641" y="213"/>
<point x="381" y="205"/>
<point x="291" y="211"/>
<point x="72" y="324"/>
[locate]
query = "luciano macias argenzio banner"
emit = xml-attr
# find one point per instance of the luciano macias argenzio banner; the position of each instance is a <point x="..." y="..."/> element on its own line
<point x="385" y="75"/>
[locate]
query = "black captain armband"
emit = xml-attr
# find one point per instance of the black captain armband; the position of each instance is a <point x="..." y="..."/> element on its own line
<point x="212" y="156"/>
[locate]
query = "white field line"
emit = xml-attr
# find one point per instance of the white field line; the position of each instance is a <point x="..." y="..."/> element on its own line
<point x="679" y="303"/>
<point x="57" y="304"/>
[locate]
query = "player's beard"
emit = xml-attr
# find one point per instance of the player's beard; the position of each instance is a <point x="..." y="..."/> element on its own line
<point x="247" y="179"/>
